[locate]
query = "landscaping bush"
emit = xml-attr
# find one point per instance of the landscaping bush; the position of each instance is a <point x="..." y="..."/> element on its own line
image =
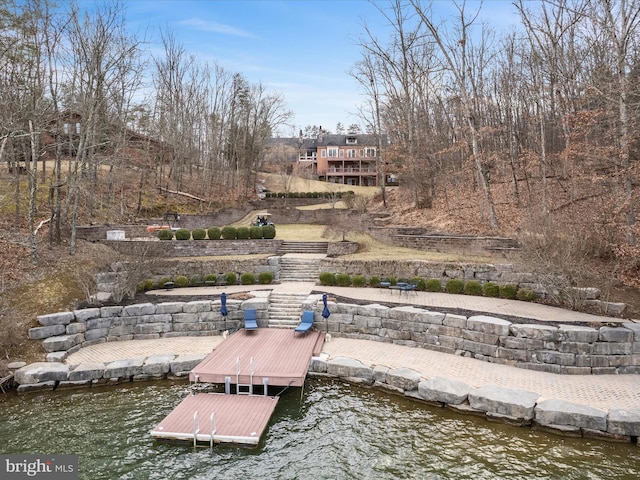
<point x="231" y="278"/>
<point x="433" y="285"/>
<point x="265" y="278"/>
<point x="165" y="234"/>
<point x="247" y="279"/>
<point x="374" y="281"/>
<point x="269" y="232"/>
<point x="214" y="233"/>
<point x="508" y="292"/>
<point x="183" y="234"/>
<point x="327" y="278"/>
<point x="242" y="233"/>
<point x="229" y="233"/>
<point x="255" y="231"/>
<point x="359" y="281"/>
<point x="526" y="295"/>
<point x="343" y="280"/>
<point x="420" y="284"/>
<point x="454" y="285"/>
<point x="473" y="287"/>
<point x="181" y="281"/>
<point x="144" y="286"/>
<point x="199" y="234"/>
<point x="491" y="289"/>
<point x="162" y="281"/>
<point x="211" y="279"/>
<point x="196" y="281"/>
<point x="390" y="280"/>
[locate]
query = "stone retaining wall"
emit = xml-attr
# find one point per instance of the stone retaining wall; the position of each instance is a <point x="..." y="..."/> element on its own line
<point x="565" y="349"/>
<point x="66" y="332"/>
<point x="418" y="237"/>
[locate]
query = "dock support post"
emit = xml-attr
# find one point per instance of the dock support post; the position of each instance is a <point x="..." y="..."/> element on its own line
<point x="227" y="385"/>
<point x="265" y="385"/>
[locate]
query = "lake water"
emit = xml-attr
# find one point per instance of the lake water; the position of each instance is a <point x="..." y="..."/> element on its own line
<point x="335" y="431"/>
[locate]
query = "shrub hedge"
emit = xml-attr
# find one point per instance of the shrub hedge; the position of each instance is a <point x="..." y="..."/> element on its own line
<point x="374" y="281"/>
<point x="269" y="232"/>
<point x="181" y="281"/>
<point x="508" y="292"/>
<point x="231" y="278"/>
<point x="454" y="285"/>
<point x="199" y="233"/>
<point x="165" y="234"/>
<point x="229" y="233"/>
<point x="183" y="234"/>
<point x="526" y="295"/>
<point x="473" y="287"/>
<point x="247" y="278"/>
<point x="491" y="289"/>
<point x="265" y="278"/>
<point x="343" y="280"/>
<point x="359" y="281"/>
<point x="214" y="233"/>
<point x="434" y="285"/>
<point x="242" y="233"/>
<point x="255" y="231"/>
<point x="327" y="278"/>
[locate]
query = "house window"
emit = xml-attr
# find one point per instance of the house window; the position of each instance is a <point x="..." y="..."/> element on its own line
<point x="324" y="153"/>
<point x="341" y="153"/>
<point x="332" y="152"/>
<point x="352" y="140"/>
<point x="78" y="128"/>
<point x="370" y="152"/>
<point x="351" y="153"/>
<point x="65" y="128"/>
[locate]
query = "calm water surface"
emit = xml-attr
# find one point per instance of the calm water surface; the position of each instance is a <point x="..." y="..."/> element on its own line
<point x="336" y="431"/>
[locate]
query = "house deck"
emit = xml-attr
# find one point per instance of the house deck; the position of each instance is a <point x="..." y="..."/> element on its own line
<point x="236" y="419"/>
<point x="267" y="356"/>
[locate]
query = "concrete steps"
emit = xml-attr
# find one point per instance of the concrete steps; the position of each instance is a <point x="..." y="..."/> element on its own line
<point x="303" y="247"/>
<point x="285" y="310"/>
<point x="296" y="269"/>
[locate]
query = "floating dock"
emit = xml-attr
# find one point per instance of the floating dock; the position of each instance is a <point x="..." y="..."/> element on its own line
<point x="264" y="357"/>
<point x="218" y="418"/>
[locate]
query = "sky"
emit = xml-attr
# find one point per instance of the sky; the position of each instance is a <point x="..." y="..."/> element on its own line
<point x="301" y="49"/>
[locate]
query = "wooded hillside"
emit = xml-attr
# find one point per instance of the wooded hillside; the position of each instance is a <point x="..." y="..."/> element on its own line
<point x="530" y="132"/>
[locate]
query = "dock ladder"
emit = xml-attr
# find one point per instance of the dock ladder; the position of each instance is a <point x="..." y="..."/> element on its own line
<point x="196" y="428"/>
<point x="244" y="388"/>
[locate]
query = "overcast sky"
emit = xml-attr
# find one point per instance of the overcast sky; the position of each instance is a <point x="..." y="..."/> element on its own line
<point x="302" y="49"/>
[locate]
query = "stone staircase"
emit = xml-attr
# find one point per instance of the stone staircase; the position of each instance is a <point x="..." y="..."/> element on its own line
<point x="303" y="247"/>
<point x="285" y="310"/>
<point x="299" y="269"/>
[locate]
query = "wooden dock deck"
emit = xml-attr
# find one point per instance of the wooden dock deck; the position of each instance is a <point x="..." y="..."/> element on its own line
<point x="279" y="357"/>
<point x="238" y="419"/>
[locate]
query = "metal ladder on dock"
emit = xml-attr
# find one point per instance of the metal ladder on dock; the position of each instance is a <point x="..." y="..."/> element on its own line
<point x="244" y="388"/>
<point x="196" y="428"/>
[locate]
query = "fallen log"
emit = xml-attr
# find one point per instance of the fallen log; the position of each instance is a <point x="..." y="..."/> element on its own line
<point x="184" y="194"/>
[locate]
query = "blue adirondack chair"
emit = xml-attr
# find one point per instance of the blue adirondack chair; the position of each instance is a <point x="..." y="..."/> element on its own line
<point x="250" y="319"/>
<point x="306" y="323"/>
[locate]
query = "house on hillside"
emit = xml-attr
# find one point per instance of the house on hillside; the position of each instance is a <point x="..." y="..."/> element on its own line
<point x="350" y="159"/>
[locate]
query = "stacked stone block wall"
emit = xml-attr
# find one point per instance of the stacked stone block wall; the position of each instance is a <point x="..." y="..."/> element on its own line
<point x="564" y="349"/>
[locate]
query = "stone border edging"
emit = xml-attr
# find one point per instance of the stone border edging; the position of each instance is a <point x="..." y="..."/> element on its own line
<point x="53" y="375"/>
<point x="513" y="406"/>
